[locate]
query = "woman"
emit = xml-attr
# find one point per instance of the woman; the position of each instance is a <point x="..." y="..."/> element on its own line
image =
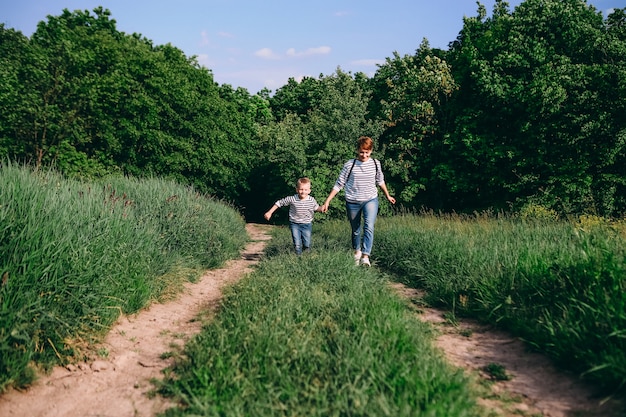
<point x="360" y="176"/>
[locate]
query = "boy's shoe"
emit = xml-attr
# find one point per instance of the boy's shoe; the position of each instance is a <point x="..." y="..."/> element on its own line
<point x="365" y="261"/>
<point x="357" y="257"/>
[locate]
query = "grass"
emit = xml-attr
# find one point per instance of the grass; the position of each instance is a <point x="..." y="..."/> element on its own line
<point x="310" y="335"/>
<point x="75" y="255"/>
<point x="315" y="336"/>
<point x="560" y="285"/>
<point x="496" y="372"/>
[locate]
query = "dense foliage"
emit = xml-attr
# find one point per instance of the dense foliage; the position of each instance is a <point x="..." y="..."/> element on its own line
<point x="537" y="116"/>
<point x="525" y="107"/>
<point x="93" y="100"/>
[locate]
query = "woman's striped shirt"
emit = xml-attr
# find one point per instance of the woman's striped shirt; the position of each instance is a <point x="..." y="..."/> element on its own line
<point x="300" y="211"/>
<point x="360" y="184"/>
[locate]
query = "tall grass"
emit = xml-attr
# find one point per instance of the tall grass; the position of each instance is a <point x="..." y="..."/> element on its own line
<point x="75" y="255"/>
<point x="561" y="285"/>
<point x="315" y="336"/>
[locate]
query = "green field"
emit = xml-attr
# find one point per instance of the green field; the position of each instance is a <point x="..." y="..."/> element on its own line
<point x="309" y="335"/>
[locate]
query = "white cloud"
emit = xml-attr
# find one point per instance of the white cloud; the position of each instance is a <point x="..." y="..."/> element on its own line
<point x="203" y="60"/>
<point x="320" y="50"/>
<point x="204" y="38"/>
<point x="266" y="53"/>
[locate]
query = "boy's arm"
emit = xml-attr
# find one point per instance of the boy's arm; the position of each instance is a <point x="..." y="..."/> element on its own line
<point x="271" y="211"/>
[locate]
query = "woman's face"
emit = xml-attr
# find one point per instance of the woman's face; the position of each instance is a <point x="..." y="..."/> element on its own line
<point x="364" y="154"/>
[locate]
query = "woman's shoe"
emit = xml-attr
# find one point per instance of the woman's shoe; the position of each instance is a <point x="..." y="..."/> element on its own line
<point x="357" y="257"/>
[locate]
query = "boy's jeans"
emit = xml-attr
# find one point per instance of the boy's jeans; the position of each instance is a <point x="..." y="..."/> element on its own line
<point x="301" y="235"/>
<point x="369" y="211"/>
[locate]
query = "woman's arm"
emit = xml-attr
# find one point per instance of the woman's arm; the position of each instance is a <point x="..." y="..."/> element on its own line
<point x="332" y="195"/>
<point x="383" y="187"/>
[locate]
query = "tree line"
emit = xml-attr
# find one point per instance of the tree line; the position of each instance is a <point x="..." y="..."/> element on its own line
<point x="525" y="108"/>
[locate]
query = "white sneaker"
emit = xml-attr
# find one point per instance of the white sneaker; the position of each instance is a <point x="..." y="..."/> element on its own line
<point x="357" y="257"/>
<point x="365" y="261"/>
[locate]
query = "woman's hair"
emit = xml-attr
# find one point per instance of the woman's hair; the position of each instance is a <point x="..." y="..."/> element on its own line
<point x="365" y="142"/>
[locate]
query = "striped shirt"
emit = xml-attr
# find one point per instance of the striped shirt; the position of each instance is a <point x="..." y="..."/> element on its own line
<point x="300" y="211"/>
<point x="361" y="183"/>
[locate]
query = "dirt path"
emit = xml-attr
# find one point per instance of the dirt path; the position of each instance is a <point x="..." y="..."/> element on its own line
<point x="119" y="385"/>
<point x="535" y="388"/>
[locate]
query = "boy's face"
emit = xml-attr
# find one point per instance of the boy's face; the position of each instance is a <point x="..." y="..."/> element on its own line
<point x="364" y="154"/>
<point x="303" y="190"/>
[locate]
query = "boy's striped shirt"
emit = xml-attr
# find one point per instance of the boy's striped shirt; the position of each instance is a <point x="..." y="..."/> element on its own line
<point x="300" y="211"/>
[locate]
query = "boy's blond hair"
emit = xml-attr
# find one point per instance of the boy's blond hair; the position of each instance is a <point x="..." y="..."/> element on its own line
<point x="303" y="180"/>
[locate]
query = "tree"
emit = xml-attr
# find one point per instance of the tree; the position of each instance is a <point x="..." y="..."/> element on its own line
<point x="334" y="126"/>
<point x="77" y="50"/>
<point x="21" y="70"/>
<point x="315" y="139"/>
<point x="410" y="92"/>
<point x="536" y="121"/>
<point x="92" y="101"/>
<point x="296" y="97"/>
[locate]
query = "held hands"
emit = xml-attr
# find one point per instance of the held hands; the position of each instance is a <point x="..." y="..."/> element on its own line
<point x="324" y="207"/>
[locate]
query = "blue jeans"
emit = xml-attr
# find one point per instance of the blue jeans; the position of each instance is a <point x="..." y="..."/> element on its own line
<point x="301" y="235"/>
<point x="368" y="210"/>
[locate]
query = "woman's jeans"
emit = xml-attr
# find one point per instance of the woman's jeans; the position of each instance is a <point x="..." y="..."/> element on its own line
<point x="301" y="235"/>
<point x="369" y="211"/>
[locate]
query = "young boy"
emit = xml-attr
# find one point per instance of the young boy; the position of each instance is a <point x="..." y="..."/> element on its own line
<point x="301" y="209"/>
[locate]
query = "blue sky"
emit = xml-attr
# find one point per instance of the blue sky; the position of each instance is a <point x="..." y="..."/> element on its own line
<point x="255" y="44"/>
